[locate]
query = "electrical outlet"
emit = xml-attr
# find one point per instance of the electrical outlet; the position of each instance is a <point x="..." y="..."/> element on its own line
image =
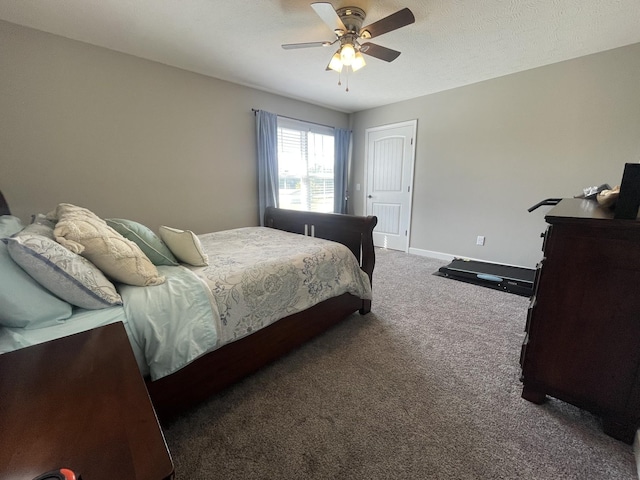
<point x="480" y="240"/>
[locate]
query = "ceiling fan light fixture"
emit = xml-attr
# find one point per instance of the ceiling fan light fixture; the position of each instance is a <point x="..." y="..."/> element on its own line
<point x="346" y="23"/>
<point x="336" y="64"/>
<point x="347" y="54"/>
<point x="358" y="62"/>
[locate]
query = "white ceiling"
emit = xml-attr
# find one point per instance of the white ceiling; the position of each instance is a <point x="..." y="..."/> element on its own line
<point x="452" y="43"/>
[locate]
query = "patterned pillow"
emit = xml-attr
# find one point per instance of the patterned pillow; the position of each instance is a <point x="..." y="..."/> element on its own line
<point x="39" y="227"/>
<point x="84" y="233"/>
<point x="65" y="274"/>
<point x="152" y="245"/>
<point x="41" y="219"/>
<point x="25" y="303"/>
<point x="185" y="245"/>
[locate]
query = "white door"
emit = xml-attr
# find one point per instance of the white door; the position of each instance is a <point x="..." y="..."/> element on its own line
<point x="390" y="152"/>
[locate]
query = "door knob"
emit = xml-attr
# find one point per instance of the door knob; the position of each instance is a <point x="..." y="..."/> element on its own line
<point x="369" y="196"/>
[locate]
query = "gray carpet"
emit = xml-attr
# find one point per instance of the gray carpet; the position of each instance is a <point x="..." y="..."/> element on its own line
<point x="424" y="387"/>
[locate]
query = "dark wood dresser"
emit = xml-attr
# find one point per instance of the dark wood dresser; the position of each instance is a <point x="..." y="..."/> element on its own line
<point x="79" y="402"/>
<point x="582" y="341"/>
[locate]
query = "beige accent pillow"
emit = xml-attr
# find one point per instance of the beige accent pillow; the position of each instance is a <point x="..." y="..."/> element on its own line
<point x="185" y="245"/>
<point x="607" y="198"/>
<point x="83" y="232"/>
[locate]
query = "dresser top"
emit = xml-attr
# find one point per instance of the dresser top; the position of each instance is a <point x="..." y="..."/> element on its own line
<point x="579" y="210"/>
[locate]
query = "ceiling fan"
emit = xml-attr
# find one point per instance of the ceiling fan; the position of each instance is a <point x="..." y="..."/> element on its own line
<point x="346" y="23"/>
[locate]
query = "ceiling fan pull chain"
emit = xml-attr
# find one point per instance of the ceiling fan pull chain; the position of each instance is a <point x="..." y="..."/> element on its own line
<point x="346" y="74"/>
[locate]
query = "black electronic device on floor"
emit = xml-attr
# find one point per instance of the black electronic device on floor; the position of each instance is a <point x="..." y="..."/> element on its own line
<point x="518" y="280"/>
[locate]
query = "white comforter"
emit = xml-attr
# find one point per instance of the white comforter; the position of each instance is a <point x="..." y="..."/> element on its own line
<point x="258" y="275"/>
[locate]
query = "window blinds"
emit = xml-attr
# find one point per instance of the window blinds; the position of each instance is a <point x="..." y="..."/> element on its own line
<point x="305" y="165"/>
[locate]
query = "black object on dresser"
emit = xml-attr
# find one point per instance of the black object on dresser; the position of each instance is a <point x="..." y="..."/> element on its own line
<point x="582" y="341"/>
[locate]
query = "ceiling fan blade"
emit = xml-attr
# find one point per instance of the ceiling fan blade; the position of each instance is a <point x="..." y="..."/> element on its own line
<point x="329" y="16"/>
<point x="383" y="53"/>
<point x="394" y="21"/>
<point x="292" y="46"/>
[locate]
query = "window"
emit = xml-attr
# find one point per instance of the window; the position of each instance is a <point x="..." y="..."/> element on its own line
<point x="305" y="166"/>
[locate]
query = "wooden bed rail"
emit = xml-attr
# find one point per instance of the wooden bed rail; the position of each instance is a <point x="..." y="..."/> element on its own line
<point x="222" y="367"/>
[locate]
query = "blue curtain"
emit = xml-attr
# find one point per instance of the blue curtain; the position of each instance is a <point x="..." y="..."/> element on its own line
<point x="342" y="144"/>
<point x="267" y="142"/>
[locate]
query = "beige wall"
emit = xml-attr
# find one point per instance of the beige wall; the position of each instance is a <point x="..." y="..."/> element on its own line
<point x="488" y="151"/>
<point x="137" y="139"/>
<point x="128" y="137"/>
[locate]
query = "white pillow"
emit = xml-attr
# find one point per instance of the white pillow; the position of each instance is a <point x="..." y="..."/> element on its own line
<point x="185" y="245"/>
<point x="84" y="233"/>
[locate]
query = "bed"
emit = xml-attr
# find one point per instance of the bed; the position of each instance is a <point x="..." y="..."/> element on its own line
<point x="264" y="329"/>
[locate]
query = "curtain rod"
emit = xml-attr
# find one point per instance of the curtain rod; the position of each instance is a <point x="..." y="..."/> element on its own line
<point x="297" y="119"/>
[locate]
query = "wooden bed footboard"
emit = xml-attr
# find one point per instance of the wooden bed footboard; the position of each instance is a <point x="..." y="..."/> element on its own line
<point x="354" y="231"/>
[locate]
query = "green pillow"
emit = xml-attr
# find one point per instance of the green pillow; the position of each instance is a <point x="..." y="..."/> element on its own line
<point x="150" y="243"/>
<point x="9" y="225"/>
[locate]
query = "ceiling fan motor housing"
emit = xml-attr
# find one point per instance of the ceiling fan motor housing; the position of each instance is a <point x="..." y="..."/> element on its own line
<point x="346" y="23"/>
<point x="352" y="17"/>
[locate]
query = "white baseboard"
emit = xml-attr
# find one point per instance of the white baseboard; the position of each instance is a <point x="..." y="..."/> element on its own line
<point x="431" y="254"/>
<point x="447" y="257"/>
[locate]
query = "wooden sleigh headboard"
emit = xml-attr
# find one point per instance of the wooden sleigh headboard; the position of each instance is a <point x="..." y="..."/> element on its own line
<point x="4" y="206"/>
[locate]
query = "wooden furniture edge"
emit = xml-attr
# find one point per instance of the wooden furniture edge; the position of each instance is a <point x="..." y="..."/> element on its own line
<point x="80" y="402"/>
